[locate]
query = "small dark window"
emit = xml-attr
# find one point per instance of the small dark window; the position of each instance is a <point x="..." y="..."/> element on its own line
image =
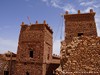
<point x="48" y="57"/>
<point x="6" y="72"/>
<point x="31" y="54"/>
<point x="27" y="73"/>
<point x="80" y="34"/>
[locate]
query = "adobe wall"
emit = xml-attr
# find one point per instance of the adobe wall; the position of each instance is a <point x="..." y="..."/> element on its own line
<point x="81" y="56"/>
<point x="36" y="38"/>
<point x="79" y="24"/>
<point x="7" y="65"/>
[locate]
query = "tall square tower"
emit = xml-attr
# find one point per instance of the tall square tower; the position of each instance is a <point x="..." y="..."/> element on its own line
<point x="79" y="24"/>
<point x="34" y="49"/>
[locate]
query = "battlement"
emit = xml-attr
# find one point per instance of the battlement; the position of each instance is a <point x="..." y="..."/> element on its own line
<point x="36" y="26"/>
<point x="80" y="16"/>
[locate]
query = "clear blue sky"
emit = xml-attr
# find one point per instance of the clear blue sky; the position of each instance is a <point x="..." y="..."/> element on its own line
<point x="13" y="12"/>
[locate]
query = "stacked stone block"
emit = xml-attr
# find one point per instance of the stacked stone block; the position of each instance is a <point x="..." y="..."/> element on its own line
<point x="81" y="56"/>
<point x="80" y="51"/>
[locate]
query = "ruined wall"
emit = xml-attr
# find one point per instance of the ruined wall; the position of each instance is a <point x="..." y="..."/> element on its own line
<point x="80" y="51"/>
<point x="79" y="24"/>
<point x="80" y="57"/>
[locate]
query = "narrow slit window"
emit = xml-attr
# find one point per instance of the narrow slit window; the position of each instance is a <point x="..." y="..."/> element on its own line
<point x="48" y="57"/>
<point x="80" y="34"/>
<point x="6" y="72"/>
<point x="31" y="54"/>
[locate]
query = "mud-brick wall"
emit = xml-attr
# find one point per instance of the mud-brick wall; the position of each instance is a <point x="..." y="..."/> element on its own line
<point x="36" y="38"/>
<point x="81" y="56"/>
<point x="2" y="65"/>
<point x="7" y="65"/>
<point x="22" y="69"/>
<point x="48" y="43"/>
<point x="31" y="39"/>
<point x="81" y="23"/>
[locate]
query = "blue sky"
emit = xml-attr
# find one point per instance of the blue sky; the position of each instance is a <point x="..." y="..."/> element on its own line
<point x="13" y="12"/>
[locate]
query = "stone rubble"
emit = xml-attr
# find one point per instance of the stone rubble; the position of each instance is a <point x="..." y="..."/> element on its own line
<point x="80" y="57"/>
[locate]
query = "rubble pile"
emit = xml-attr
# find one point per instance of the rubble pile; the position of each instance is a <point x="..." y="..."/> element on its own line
<point x="81" y="56"/>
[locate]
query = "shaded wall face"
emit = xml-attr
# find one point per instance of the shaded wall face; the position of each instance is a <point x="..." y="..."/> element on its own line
<point x="30" y="51"/>
<point x="2" y="65"/>
<point x="48" y="46"/>
<point x="7" y="66"/>
<point x="77" y="25"/>
<point x="32" y="69"/>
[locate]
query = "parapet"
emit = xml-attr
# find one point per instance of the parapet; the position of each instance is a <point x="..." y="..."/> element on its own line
<point x="37" y="26"/>
<point x="79" y="12"/>
<point x="80" y="16"/>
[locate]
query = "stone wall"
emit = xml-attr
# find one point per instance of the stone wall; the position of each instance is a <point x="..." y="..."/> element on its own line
<point x="6" y="64"/>
<point x="80" y="57"/>
<point x="79" y="24"/>
<point x="36" y="38"/>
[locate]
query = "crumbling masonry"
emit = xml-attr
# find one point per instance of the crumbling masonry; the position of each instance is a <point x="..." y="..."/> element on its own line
<point x="80" y="51"/>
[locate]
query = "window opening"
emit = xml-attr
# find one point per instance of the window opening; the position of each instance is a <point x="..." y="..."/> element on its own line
<point x="48" y="57"/>
<point x="6" y="72"/>
<point x="27" y="73"/>
<point x="31" y="54"/>
<point x="80" y="34"/>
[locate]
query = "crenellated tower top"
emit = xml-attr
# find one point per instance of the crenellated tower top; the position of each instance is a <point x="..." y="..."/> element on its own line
<point x="80" y="24"/>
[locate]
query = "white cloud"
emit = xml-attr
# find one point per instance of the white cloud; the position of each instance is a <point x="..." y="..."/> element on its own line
<point x="56" y="46"/>
<point x="55" y="3"/>
<point x="98" y="30"/>
<point x="90" y="3"/>
<point x="7" y="44"/>
<point x="86" y="3"/>
<point x="96" y="6"/>
<point x="98" y="24"/>
<point x="69" y="8"/>
<point x="60" y="4"/>
<point x="87" y="9"/>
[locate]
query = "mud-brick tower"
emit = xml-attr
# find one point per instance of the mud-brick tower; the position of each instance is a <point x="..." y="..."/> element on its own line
<point x="34" y="49"/>
<point x="79" y="24"/>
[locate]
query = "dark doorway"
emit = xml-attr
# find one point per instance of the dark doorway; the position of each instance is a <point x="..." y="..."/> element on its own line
<point x="80" y="34"/>
<point x="6" y="72"/>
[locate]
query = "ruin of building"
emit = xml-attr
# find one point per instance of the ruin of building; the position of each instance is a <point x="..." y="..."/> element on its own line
<point x="80" y="50"/>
